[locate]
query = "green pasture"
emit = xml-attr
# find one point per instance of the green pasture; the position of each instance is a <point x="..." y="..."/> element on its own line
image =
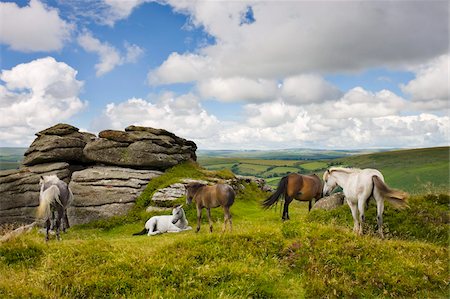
<point x="415" y="170"/>
<point x="314" y="255"/>
<point x="311" y="166"/>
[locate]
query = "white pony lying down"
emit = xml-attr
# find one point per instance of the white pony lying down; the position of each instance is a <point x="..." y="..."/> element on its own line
<point x="174" y="223"/>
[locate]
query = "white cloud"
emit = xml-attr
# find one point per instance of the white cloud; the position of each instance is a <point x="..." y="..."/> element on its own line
<point x="181" y="69"/>
<point x="308" y="89"/>
<point x="182" y="115"/>
<point x="430" y="89"/>
<point x="133" y="53"/>
<point x="32" y="28"/>
<point x="36" y="95"/>
<point x="119" y="10"/>
<point x="360" y="103"/>
<point x="109" y="55"/>
<point x="238" y="89"/>
<point x="286" y="39"/>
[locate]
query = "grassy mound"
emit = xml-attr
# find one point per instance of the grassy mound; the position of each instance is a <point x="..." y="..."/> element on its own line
<point x="426" y="220"/>
<point x="314" y="255"/>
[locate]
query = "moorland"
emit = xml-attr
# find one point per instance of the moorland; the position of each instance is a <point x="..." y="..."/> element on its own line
<point x="314" y="255"/>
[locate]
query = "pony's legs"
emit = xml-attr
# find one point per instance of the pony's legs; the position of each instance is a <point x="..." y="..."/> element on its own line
<point x="66" y="221"/>
<point x="227" y="218"/>
<point x="47" y="228"/>
<point x="199" y="218"/>
<point x="354" y="209"/>
<point x="310" y="205"/>
<point x="287" y="201"/>
<point x="58" y="224"/>
<point x="380" y="208"/>
<point x="361" y="206"/>
<point x="156" y="232"/>
<point x="208" y="212"/>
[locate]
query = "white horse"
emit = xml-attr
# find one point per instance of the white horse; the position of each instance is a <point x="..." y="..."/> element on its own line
<point x="358" y="186"/>
<point x="54" y="196"/>
<point x="174" y="223"/>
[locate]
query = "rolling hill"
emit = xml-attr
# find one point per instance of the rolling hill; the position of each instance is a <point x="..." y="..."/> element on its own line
<point x="414" y="170"/>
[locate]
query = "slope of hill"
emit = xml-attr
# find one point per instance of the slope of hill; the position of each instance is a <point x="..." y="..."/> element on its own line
<point x="314" y="255"/>
<point x="414" y="170"/>
<point x="10" y="157"/>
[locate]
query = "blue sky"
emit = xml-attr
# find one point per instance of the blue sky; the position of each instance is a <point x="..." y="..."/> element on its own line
<point x="230" y="75"/>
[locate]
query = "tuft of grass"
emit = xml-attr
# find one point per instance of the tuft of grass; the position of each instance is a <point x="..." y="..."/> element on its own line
<point x="427" y="219"/>
<point x="337" y="263"/>
<point x="171" y="176"/>
<point x="20" y="253"/>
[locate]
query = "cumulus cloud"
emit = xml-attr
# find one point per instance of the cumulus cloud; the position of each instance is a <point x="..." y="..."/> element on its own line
<point x="181" y="69"/>
<point x="32" y="28"/>
<point x="36" y="95"/>
<point x="238" y="89"/>
<point x="285" y="39"/>
<point x="430" y="88"/>
<point x="182" y="115"/>
<point x="360" y="103"/>
<point x="303" y="89"/>
<point x="119" y="10"/>
<point x="109" y="56"/>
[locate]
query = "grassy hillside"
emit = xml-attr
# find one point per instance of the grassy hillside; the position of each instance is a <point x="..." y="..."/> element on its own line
<point x="413" y="170"/>
<point x="314" y="255"/>
<point x="10" y="157"/>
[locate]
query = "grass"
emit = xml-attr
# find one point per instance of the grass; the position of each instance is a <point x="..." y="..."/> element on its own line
<point x="413" y="170"/>
<point x="314" y="255"/>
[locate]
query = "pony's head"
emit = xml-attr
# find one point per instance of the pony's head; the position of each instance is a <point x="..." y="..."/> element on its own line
<point x="191" y="189"/>
<point x="329" y="182"/>
<point x="48" y="179"/>
<point x="177" y="213"/>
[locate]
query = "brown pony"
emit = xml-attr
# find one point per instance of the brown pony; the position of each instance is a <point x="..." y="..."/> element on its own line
<point x="298" y="186"/>
<point x="211" y="197"/>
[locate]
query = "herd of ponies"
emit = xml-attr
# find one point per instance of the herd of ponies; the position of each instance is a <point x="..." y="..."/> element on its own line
<point x="358" y="186"/>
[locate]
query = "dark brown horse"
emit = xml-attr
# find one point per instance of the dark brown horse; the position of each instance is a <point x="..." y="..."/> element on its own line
<point x="298" y="186"/>
<point x="211" y="197"/>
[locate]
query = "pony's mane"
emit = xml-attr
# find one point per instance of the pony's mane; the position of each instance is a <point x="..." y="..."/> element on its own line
<point x="344" y="169"/>
<point x="51" y="178"/>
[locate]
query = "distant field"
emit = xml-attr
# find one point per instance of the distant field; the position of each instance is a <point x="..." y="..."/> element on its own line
<point x="10" y="157"/>
<point x="413" y="170"/>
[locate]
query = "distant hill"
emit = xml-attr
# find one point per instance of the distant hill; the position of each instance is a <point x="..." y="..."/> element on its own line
<point x="283" y="154"/>
<point x="413" y="170"/>
<point x="10" y="157"/>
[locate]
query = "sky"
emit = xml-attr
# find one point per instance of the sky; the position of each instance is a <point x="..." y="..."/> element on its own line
<point x="230" y="74"/>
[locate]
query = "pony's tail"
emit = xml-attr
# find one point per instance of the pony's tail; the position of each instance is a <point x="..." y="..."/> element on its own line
<point x="143" y="232"/>
<point x="45" y="199"/>
<point x="398" y="198"/>
<point x="281" y="190"/>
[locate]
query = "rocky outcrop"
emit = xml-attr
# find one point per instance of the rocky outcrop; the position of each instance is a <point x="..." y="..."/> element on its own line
<point x="19" y="190"/>
<point x="60" y="143"/>
<point x="330" y="202"/>
<point x="260" y="182"/>
<point x="106" y="173"/>
<point x="140" y="147"/>
<point x="102" y="191"/>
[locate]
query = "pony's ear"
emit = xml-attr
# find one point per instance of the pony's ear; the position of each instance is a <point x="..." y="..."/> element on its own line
<point x="180" y="206"/>
<point x="328" y="171"/>
<point x="42" y="178"/>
